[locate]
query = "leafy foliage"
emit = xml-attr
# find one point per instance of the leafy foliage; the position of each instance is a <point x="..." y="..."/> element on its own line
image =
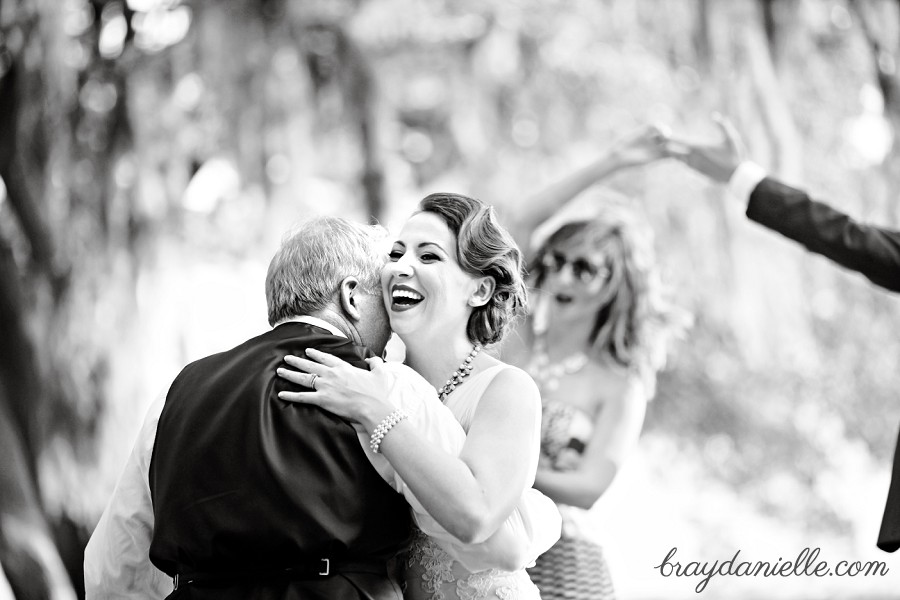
<point x="159" y="149"/>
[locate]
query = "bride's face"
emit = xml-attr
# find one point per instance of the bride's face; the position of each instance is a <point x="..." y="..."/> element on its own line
<point x="425" y="289"/>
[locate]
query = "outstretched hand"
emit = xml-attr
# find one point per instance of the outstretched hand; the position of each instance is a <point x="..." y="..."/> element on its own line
<point x="340" y="388"/>
<point x="640" y="147"/>
<point x="717" y="161"/>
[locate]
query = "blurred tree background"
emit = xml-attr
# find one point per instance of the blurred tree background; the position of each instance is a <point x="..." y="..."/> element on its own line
<point x="153" y="153"/>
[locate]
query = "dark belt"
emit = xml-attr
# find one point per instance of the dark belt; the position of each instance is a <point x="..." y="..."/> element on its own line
<point x="314" y="569"/>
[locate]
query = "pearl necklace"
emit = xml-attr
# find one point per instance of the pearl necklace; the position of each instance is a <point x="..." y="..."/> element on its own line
<point x="459" y="374"/>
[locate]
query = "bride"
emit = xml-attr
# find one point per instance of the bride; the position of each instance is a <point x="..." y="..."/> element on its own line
<point x="453" y="285"/>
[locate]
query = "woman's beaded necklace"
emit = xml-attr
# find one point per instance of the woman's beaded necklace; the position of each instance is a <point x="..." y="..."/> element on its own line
<point x="459" y="374"/>
<point x="546" y="374"/>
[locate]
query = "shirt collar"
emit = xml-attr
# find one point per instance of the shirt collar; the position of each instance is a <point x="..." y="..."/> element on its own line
<point x="315" y="322"/>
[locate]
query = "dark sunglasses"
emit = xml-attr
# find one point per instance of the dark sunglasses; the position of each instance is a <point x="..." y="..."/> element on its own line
<point x="582" y="269"/>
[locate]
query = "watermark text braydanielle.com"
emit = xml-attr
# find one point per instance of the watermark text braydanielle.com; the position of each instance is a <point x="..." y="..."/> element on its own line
<point x="807" y="564"/>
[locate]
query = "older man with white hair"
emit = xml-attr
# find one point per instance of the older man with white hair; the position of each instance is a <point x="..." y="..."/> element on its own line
<point x="233" y="493"/>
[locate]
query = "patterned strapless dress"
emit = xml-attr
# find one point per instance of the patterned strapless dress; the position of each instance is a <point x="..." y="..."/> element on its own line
<point x="574" y="568"/>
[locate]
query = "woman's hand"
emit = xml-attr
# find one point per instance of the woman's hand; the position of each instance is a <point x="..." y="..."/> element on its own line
<point x="340" y="388"/>
<point x="641" y="147"/>
<point x="568" y="459"/>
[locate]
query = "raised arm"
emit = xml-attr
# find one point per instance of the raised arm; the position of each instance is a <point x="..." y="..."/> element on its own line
<point x="637" y="148"/>
<point x="869" y="249"/>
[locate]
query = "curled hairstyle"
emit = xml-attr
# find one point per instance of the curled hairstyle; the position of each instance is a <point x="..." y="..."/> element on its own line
<point x="484" y="248"/>
<point x="634" y="318"/>
<point x="308" y="268"/>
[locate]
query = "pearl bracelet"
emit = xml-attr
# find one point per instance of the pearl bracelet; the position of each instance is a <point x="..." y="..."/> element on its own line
<point x="386" y="424"/>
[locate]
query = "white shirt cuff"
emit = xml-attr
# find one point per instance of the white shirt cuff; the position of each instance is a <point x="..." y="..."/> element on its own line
<point x="744" y="180"/>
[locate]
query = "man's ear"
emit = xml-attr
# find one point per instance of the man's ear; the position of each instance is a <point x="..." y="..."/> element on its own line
<point x="483" y="291"/>
<point x="348" y="297"/>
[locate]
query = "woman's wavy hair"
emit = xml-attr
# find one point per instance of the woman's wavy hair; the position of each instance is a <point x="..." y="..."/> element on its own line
<point x="484" y="247"/>
<point x="635" y="318"/>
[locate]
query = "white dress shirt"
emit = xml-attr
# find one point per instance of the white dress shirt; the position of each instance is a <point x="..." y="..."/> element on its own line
<point x="117" y="562"/>
<point x="744" y="180"/>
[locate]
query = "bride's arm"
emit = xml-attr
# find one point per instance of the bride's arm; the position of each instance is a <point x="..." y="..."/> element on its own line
<point x="535" y="523"/>
<point x="470" y="495"/>
<point x="532" y="528"/>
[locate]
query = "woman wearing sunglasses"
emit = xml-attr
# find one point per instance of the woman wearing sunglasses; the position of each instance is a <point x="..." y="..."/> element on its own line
<point x="592" y="344"/>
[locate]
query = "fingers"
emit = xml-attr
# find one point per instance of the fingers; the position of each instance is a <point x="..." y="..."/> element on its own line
<point x="660" y="132"/>
<point x="732" y="137"/>
<point x="677" y="149"/>
<point x="724" y="124"/>
<point x="306" y="365"/>
<point x="647" y="137"/>
<point x="298" y="397"/>
<point x="324" y="358"/>
<point x="658" y="135"/>
<point x="725" y="127"/>
<point x="304" y="379"/>
<point x="661" y="135"/>
<point x="374" y="362"/>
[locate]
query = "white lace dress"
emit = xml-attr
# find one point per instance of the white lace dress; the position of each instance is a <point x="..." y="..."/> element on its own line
<point x="431" y="573"/>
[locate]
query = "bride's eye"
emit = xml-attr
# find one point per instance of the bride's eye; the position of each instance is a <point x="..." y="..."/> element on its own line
<point x="429" y="257"/>
<point x="395" y="255"/>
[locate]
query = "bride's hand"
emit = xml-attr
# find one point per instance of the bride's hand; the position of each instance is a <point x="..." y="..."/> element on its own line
<point x="340" y="388"/>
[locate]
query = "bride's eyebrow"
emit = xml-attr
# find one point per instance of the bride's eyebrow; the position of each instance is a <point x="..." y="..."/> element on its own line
<point x="434" y="244"/>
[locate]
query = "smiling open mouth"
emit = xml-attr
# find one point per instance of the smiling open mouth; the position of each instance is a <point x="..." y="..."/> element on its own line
<point x="404" y="297"/>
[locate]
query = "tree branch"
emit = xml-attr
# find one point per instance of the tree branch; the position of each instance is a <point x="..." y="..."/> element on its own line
<point x="15" y="175"/>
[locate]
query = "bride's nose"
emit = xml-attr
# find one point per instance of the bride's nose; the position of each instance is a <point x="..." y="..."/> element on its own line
<point x="399" y="268"/>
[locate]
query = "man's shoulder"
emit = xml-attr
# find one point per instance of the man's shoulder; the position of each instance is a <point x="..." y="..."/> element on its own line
<point x="299" y="336"/>
<point x="224" y="354"/>
<point x="288" y="336"/>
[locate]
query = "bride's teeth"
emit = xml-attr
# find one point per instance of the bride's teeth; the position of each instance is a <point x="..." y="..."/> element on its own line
<point x="407" y="294"/>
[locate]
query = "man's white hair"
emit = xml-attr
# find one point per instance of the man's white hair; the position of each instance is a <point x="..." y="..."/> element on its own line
<point x="307" y="270"/>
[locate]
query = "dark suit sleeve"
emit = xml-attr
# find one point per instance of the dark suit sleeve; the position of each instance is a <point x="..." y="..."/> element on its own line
<point x="889" y="535"/>
<point x="872" y="251"/>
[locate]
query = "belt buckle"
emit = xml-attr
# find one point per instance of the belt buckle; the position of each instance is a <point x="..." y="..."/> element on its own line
<point x="327" y="567"/>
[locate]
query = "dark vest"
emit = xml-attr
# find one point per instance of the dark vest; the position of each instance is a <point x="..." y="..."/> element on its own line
<point x="241" y="480"/>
